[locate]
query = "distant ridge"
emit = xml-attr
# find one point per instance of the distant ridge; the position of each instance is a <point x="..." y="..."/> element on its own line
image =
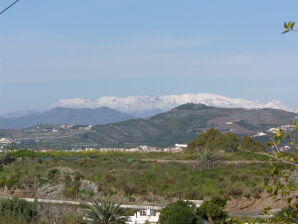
<point x="18" y="113"/>
<point x="142" y="106"/>
<point x="178" y="125"/>
<point x="183" y="123"/>
<point x="61" y="115"/>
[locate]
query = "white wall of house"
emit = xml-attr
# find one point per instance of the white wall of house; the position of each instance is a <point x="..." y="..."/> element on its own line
<point x="142" y="216"/>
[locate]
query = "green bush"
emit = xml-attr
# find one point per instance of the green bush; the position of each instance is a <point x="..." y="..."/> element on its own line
<point x="53" y="173"/>
<point x="234" y="192"/>
<point x="71" y="187"/>
<point x="285" y="216"/>
<point x="7" y="159"/>
<point x="250" y="145"/>
<point x="179" y="212"/>
<point x="13" y="181"/>
<point x="213" y="211"/>
<point x="18" y="208"/>
<point x="214" y="140"/>
<point x="2" y="182"/>
<point x="207" y="159"/>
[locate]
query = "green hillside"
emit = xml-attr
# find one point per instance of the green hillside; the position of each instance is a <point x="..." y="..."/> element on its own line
<point x="179" y="125"/>
<point x="183" y="123"/>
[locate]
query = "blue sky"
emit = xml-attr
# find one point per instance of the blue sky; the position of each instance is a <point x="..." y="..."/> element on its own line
<point x="65" y="49"/>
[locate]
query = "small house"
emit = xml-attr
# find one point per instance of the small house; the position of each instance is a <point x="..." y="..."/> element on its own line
<point x="147" y="215"/>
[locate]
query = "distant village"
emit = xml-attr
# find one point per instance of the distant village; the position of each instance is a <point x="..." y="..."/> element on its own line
<point x="80" y="147"/>
<point x="85" y="147"/>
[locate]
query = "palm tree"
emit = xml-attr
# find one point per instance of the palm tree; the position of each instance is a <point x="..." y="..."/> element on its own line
<point x="105" y="212"/>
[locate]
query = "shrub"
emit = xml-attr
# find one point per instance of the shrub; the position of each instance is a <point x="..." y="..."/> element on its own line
<point x="7" y="159"/>
<point x="207" y="159"/>
<point x="78" y="176"/>
<point x="71" y="192"/>
<point x="219" y="201"/>
<point x="71" y="187"/>
<point x="213" y="210"/>
<point x="2" y="182"/>
<point x="191" y="194"/>
<point x="235" y="192"/>
<point x="18" y="208"/>
<point x="53" y="173"/>
<point x="179" y="212"/>
<point x="109" y="178"/>
<point x="105" y="212"/>
<point x="58" y="214"/>
<point x="12" y="181"/>
<point x="214" y="140"/>
<point x="129" y="190"/>
<point x="250" y="145"/>
<point x="285" y="216"/>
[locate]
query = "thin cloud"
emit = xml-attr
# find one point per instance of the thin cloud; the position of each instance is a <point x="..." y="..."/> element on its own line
<point x="48" y="59"/>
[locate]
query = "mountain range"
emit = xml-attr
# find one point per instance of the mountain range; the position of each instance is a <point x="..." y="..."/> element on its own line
<point x="106" y="110"/>
<point x="61" y="115"/>
<point x="142" y="106"/>
<point x="178" y="125"/>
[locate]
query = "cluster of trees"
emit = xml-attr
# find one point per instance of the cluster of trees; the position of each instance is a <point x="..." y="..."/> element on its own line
<point x="249" y="144"/>
<point x="214" y="140"/>
<point x="184" y="212"/>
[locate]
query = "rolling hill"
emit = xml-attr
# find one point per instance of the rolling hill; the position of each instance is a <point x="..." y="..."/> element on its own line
<point x="183" y="123"/>
<point x="178" y="125"/>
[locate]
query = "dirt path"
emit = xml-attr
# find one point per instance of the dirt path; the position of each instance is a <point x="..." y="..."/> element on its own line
<point x="65" y="202"/>
<point x="250" y="213"/>
<point x="194" y="161"/>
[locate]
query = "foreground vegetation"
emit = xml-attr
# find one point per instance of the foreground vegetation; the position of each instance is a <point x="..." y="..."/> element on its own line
<point x="129" y="178"/>
<point x="140" y="178"/>
<point x="64" y="155"/>
<point x="105" y="211"/>
<point x="16" y="211"/>
<point x="209" y="169"/>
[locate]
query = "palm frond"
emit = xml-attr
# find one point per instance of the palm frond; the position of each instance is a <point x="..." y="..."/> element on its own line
<point x="105" y="212"/>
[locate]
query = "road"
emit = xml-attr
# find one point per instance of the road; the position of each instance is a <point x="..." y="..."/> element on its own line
<point x="65" y="202"/>
<point x="194" y="161"/>
<point x="136" y="207"/>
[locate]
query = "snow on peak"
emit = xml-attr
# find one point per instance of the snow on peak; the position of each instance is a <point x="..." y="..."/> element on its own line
<point x="163" y="103"/>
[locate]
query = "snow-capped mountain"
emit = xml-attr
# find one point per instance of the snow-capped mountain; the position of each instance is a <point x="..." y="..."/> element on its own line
<point x="143" y="104"/>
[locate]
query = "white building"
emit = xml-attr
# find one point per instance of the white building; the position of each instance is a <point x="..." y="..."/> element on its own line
<point x="90" y="149"/>
<point x="260" y="134"/>
<point x="181" y="145"/>
<point x="143" y="216"/>
<point x="5" y="140"/>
